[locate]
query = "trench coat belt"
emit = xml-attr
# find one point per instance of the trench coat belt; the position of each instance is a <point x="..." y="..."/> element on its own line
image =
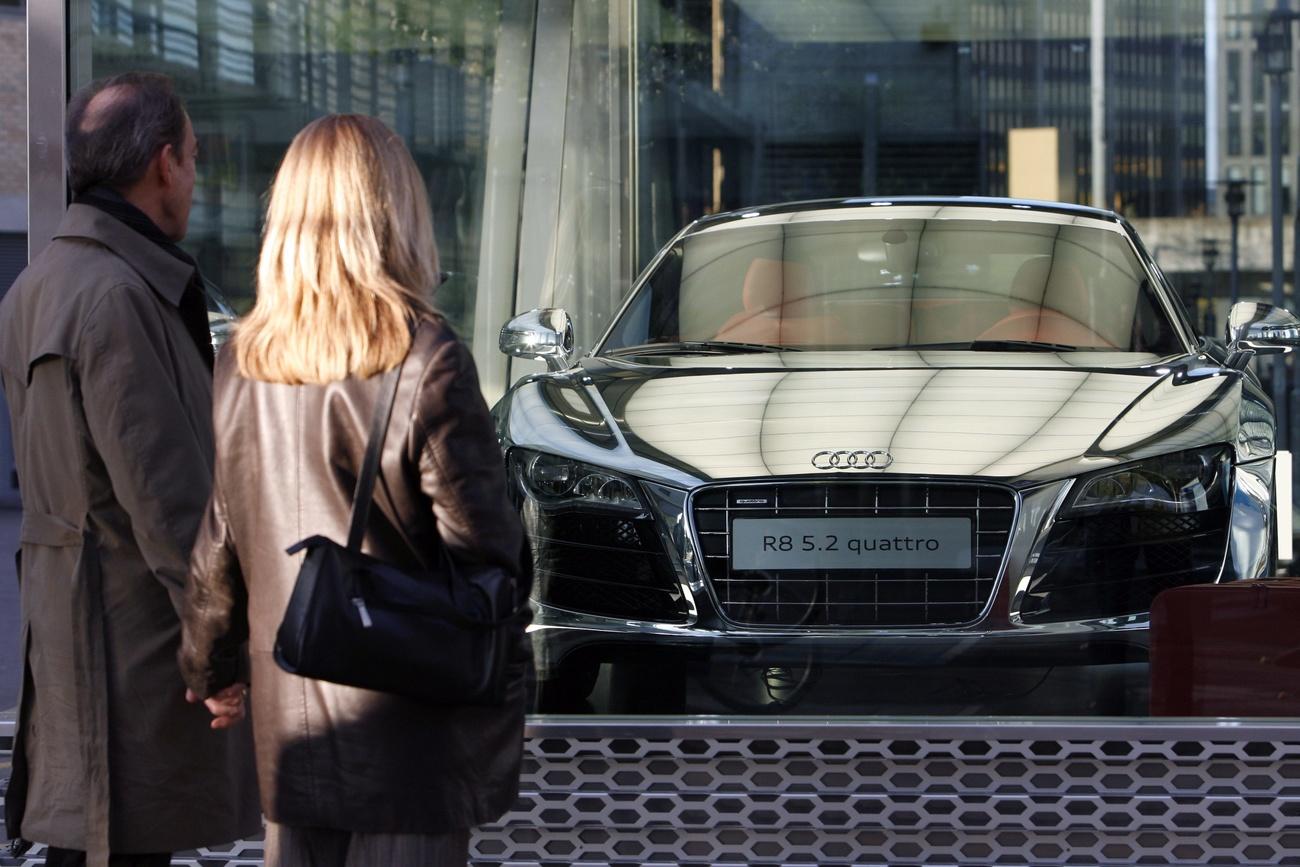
<point x="40" y="528"/>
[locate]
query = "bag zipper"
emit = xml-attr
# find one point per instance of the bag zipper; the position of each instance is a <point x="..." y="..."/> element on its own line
<point x="360" y="603"/>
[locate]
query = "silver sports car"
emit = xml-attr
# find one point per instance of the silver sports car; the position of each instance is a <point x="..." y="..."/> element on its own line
<point x="886" y="456"/>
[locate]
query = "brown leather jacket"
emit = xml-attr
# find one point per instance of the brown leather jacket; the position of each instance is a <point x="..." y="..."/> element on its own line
<point x="287" y="457"/>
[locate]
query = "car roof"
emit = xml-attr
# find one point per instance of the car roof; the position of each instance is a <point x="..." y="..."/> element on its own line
<point x="990" y="202"/>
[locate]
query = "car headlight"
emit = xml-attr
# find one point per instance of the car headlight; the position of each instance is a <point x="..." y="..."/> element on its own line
<point x="557" y="481"/>
<point x="1178" y="483"/>
<point x="596" y="547"/>
<point x="1130" y="532"/>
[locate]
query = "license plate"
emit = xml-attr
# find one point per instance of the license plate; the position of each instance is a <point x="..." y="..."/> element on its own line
<point x="850" y="543"/>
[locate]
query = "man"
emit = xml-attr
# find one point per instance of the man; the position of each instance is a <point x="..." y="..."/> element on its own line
<point x="106" y="362"/>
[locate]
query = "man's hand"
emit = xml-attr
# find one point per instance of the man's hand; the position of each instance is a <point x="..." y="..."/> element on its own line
<point x="226" y="707"/>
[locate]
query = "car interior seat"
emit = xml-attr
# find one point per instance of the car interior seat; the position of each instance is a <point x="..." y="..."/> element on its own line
<point x="770" y="286"/>
<point x="783" y="304"/>
<point x="1046" y="289"/>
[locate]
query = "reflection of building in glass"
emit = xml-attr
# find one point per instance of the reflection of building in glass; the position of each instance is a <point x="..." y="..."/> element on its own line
<point x="756" y="100"/>
<point x="1242" y="111"/>
<point x="254" y="72"/>
<point x="1034" y="68"/>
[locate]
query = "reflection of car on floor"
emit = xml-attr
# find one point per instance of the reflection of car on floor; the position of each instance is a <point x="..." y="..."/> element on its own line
<point x="907" y="456"/>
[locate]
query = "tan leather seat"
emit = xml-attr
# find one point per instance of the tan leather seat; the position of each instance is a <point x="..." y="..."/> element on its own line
<point x="770" y="284"/>
<point x="1047" y="290"/>
<point x="783" y="306"/>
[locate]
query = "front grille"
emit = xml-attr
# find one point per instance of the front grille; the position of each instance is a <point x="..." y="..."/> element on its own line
<point x="854" y="598"/>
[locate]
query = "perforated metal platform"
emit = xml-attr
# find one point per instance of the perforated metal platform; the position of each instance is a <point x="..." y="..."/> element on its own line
<point x="628" y="793"/>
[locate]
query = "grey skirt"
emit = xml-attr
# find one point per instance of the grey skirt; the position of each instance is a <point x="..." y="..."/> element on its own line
<point x="290" y="846"/>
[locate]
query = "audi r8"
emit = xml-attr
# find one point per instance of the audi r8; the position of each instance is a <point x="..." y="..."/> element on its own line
<point x="886" y="456"/>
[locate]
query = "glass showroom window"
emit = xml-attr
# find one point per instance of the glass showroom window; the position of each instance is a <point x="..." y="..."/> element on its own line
<point x="848" y="457"/>
<point x="779" y="375"/>
<point x="254" y="72"/>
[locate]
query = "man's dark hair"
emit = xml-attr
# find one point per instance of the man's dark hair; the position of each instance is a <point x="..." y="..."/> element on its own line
<point x="113" y="144"/>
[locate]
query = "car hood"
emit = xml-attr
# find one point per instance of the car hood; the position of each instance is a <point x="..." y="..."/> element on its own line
<point x="1016" y="417"/>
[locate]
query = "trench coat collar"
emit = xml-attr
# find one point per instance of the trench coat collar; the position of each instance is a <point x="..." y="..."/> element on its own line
<point x="165" y="274"/>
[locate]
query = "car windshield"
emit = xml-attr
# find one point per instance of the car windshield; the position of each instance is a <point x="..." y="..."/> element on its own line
<point x="828" y="283"/>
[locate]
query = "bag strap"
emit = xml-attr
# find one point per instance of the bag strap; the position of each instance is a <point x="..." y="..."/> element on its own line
<point x="363" y="496"/>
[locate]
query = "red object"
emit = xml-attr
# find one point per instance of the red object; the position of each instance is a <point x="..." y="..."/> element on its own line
<point x="1227" y="650"/>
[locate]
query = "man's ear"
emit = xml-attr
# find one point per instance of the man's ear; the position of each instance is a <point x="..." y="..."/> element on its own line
<point x="165" y="164"/>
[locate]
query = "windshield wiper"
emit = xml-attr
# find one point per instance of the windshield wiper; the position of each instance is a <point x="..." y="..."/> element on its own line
<point x="1020" y="346"/>
<point x="917" y="347"/>
<point x="717" y="347"/>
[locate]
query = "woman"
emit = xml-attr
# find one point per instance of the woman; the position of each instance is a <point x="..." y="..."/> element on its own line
<point x="349" y="776"/>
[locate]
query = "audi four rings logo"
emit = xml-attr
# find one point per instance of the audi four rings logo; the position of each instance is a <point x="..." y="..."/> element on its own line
<point x="852" y="459"/>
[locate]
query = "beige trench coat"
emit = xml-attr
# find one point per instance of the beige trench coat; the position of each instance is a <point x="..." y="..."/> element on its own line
<point x="112" y="429"/>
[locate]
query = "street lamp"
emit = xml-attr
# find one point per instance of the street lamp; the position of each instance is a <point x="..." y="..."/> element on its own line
<point x="1274" y="41"/>
<point x="1209" y="255"/>
<point x="1235" y="198"/>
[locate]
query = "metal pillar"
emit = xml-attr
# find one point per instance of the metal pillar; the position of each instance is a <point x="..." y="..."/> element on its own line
<point x="1211" y="98"/>
<point x="494" y="302"/>
<point x="1099" y="157"/>
<point x="1275" y="52"/>
<point x="544" y="165"/>
<point x="47" y="97"/>
<point x="1235" y="198"/>
<point x="870" y="134"/>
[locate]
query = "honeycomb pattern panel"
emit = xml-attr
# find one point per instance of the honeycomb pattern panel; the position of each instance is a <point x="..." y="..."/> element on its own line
<point x="833" y="801"/>
<point x="721" y="800"/>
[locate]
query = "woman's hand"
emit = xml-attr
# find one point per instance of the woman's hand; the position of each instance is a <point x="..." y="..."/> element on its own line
<point x="226" y="707"/>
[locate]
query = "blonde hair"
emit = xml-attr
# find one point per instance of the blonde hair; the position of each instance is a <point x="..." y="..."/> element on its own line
<point x="348" y="257"/>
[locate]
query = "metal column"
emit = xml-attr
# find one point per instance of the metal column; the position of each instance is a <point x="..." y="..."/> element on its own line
<point x="1099" y="156"/>
<point x="1278" y="81"/>
<point x="494" y="301"/>
<point x="47" y="97"/>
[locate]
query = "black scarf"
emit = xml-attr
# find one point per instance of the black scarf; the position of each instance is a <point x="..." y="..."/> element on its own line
<point x="193" y="305"/>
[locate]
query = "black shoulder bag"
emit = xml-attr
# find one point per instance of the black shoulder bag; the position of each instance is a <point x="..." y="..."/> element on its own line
<point x="441" y="637"/>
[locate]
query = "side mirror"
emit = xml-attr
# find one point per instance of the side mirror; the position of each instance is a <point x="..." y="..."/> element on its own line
<point x="1262" y="329"/>
<point x="545" y="334"/>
